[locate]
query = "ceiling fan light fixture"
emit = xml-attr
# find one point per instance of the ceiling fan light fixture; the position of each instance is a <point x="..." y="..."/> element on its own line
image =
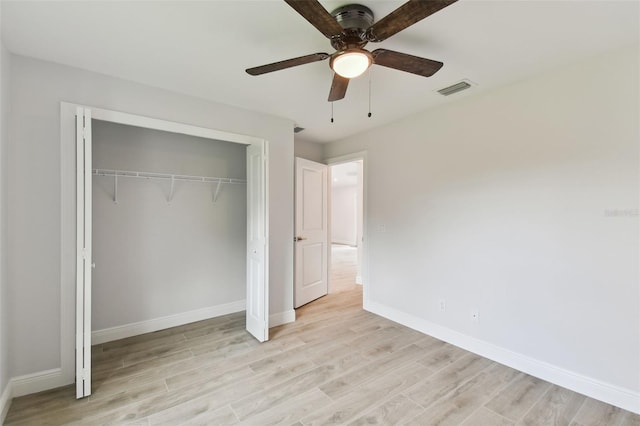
<point x="351" y="63"/>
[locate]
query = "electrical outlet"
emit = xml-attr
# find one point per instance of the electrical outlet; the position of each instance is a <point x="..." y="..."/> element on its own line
<point x="442" y="304"/>
<point x="475" y="315"/>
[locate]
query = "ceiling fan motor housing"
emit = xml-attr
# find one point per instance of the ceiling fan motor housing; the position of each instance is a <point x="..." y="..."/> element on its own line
<point x="353" y="16"/>
<point x="355" y="19"/>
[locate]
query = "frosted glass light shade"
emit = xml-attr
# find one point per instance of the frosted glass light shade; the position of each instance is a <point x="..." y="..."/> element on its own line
<point x="351" y="63"/>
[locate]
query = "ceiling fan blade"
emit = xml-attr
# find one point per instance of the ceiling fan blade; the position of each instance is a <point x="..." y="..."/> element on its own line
<point x="317" y="15"/>
<point x="403" y="17"/>
<point x="294" y="62"/>
<point x="338" y="88"/>
<point x="405" y="62"/>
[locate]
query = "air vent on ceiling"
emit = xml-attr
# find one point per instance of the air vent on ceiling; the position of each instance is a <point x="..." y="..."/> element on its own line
<point x="454" y="88"/>
<point x="298" y="129"/>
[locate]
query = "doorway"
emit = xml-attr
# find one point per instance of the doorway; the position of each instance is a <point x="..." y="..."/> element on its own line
<point x="347" y="218"/>
<point x="313" y="240"/>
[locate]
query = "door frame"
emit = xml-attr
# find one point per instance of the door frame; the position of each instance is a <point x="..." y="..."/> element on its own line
<point x="70" y="220"/>
<point x="348" y="158"/>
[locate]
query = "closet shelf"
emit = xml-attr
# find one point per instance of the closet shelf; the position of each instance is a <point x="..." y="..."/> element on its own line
<point x="165" y="176"/>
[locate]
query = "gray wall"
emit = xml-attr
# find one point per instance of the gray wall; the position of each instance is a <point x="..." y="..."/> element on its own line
<point x="309" y="150"/>
<point x="522" y="203"/>
<point x="4" y="305"/>
<point x="35" y="232"/>
<point x="155" y="258"/>
<point x="344" y="222"/>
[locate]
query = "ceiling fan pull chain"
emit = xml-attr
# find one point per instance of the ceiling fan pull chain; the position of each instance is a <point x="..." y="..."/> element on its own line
<point x="332" y="112"/>
<point x="369" y="115"/>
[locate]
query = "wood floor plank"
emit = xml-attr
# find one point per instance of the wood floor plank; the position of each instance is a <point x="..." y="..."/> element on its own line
<point x="178" y="379"/>
<point x="439" y="355"/>
<point x="139" y="422"/>
<point x="213" y="392"/>
<point x="290" y="411"/>
<point x="630" y="419"/>
<point x="593" y="413"/>
<point x="350" y="381"/>
<point x="518" y="398"/>
<point x="394" y="411"/>
<point x="557" y="407"/>
<point x="258" y="402"/>
<point x="221" y="417"/>
<point x="33" y="406"/>
<point x="171" y="340"/>
<point x="134" y="375"/>
<point x="221" y="346"/>
<point x="368" y="394"/>
<point x="217" y="329"/>
<point x="485" y="417"/>
<point x="445" y="381"/>
<point x="198" y="411"/>
<point x="383" y="347"/>
<point x="466" y="398"/>
<point x="262" y="401"/>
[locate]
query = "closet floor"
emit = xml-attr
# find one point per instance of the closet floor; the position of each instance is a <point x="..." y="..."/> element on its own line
<point x="336" y="365"/>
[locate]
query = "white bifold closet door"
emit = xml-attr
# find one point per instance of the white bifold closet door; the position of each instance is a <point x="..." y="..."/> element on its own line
<point x="83" y="252"/>
<point x="257" y="253"/>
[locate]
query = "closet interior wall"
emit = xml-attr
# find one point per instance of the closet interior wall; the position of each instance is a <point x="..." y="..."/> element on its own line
<point x="158" y="253"/>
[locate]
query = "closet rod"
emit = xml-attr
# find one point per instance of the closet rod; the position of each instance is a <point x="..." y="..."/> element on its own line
<point x="166" y="176"/>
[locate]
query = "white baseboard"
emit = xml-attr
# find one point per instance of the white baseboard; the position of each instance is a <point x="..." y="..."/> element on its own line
<point x="148" y="326"/>
<point x="37" y="382"/>
<point x="5" y="402"/>
<point x="282" y="318"/>
<point x="606" y="392"/>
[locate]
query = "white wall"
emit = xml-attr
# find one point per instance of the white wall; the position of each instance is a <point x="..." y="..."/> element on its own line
<point x="154" y="258"/>
<point x="309" y="150"/>
<point x="508" y="205"/>
<point x="4" y="304"/>
<point x="344" y="223"/>
<point x="35" y="232"/>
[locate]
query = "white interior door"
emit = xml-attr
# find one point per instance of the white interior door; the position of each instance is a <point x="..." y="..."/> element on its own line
<point x="311" y="232"/>
<point x="257" y="248"/>
<point x="83" y="252"/>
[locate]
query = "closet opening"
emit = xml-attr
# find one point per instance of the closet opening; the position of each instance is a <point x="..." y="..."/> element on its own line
<point x="171" y="228"/>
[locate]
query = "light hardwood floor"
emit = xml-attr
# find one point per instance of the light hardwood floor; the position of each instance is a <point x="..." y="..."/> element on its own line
<point x="337" y="364"/>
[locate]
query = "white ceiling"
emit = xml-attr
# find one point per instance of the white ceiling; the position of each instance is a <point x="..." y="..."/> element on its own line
<point x="202" y="48"/>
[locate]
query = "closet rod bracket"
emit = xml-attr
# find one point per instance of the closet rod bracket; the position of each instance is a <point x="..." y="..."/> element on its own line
<point x="215" y="196"/>
<point x="173" y="184"/>
<point x="115" y="189"/>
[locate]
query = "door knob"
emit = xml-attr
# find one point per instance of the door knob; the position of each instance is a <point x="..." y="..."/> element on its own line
<point x="299" y="239"/>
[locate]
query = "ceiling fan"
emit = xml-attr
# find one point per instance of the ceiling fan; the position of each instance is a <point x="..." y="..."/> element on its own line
<point x="349" y="29"/>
